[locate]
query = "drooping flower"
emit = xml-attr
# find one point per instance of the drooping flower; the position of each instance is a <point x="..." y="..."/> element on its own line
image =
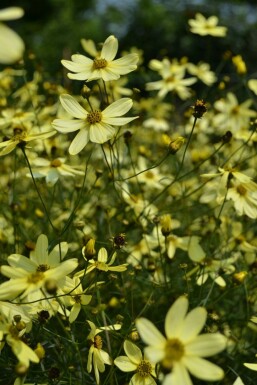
<point x="95" y="126"/>
<point x="103" y="66"/>
<point x="135" y="362"/>
<point x="202" y="26"/>
<point x="183" y="349"/>
<point x="97" y="357"/>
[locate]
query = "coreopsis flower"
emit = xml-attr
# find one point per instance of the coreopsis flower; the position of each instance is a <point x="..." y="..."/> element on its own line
<point x="12" y="333"/>
<point x="183" y="349"/>
<point x="215" y="269"/>
<point x="173" y="80"/>
<point x="103" y="66"/>
<point x="11" y="44"/>
<point x="51" y="170"/>
<point x="202" y="71"/>
<point x="75" y="297"/>
<point x="33" y="275"/>
<point x="135" y="362"/>
<point x="102" y="263"/>
<point x="239" y="188"/>
<point x="21" y="136"/>
<point x="231" y="115"/>
<point x="97" y="357"/>
<point x="95" y="126"/>
<point x="202" y="26"/>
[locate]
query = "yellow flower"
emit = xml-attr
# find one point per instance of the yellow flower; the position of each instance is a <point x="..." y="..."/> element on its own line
<point x="103" y="66"/>
<point x="173" y="80"/>
<point x="11" y="45"/>
<point x="102" y="264"/>
<point x="135" y="362"/>
<point x="231" y="115"/>
<point x="183" y="349"/>
<point x="202" y="26"/>
<point x="75" y="297"/>
<point x="96" y="125"/>
<point x="12" y="333"/>
<point x="97" y="357"/>
<point x="53" y="169"/>
<point x="32" y="275"/>
<point x="21" y="136"/>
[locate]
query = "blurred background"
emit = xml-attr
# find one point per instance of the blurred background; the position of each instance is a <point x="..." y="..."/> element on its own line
<point x="52" y="29"/>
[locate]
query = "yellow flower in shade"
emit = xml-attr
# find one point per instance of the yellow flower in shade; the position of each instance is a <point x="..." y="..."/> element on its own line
<point x="12" y="334"/>
<point x="103" y="66"/>
<point x="95" y="126"/>
<point x="102" y="263"/>
<point x="32" y="275"/>
<point x="135" y="362"/>
<point x="231" y="115"/>
<point x="202" y="26"/>
<point x="183" y="349"/>
<point x="11" y="45"/>
<point x="52" y="170"/>
<point x="22" y="136"/>
<point x="173" y="80"/>
<point x="76" y="297"/>
<point x="97" y="357"/>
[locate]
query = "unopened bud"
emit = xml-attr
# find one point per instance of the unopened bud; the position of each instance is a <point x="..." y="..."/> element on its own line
<point x="176" y="144"/>
<point x="88" y="251"/>
<point x="166" y="225"/>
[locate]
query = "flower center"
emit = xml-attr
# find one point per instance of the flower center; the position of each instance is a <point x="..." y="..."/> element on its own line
<point x="56" y="163"/>
<point x="43" y="268"/>
<point x="98" y="342"/>
<point x="174" y="351"/>
<point x="35" y="277"/>
<point x="144" y="368"/>
<point x="241" y="190"/>
<point x="77" y="298"/>
<point x="94" y="117"/>
<point x="99" y="63"/>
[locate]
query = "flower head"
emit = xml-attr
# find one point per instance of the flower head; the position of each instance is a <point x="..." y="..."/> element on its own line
<point x="135" y="362"/>
<point x="183" y="349"/>
<point x="97" y="357"/>
<point x="103" y="66"/>
<point x="202" y="26"/>
<point x="96" y="125"/>
<point x="31" y="275"/>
